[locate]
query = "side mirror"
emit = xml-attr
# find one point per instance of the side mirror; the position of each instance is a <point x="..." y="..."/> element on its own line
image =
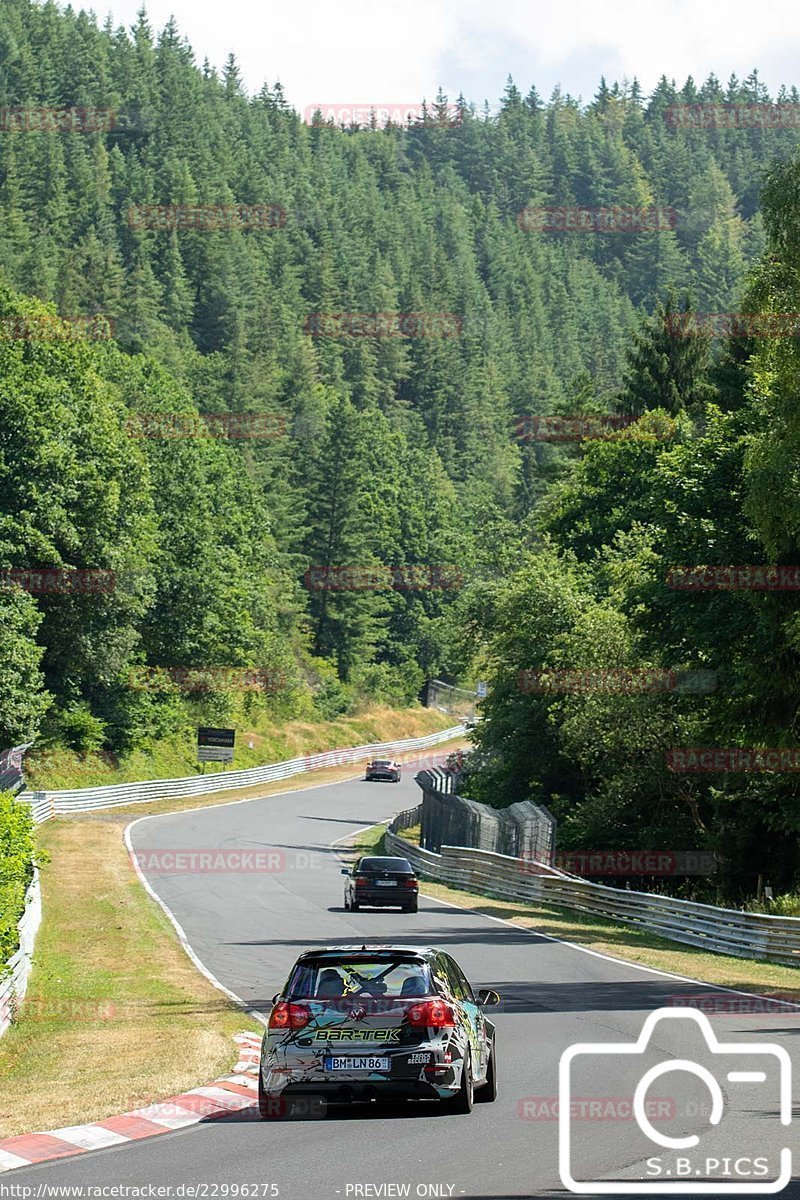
<point x="276" y="998"/>
<point x="345" y="870"/>
<point x="488" y="998"/>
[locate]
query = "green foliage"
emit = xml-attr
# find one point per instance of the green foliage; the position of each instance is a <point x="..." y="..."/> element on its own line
<point x="77" y="729"/>
<point x="16" y="869"/>
<point x="712" y="483"/>
<point x="22" y="698"/>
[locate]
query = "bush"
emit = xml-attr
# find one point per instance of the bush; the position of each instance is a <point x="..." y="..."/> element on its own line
<point x="78" y="729"/>
<point x="16" y="869"/>
<point x="331" y="697"/>
<point x="398" y="685"/>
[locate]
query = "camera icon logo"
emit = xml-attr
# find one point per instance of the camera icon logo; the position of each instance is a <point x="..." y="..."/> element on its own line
<point x="689" y="1176"/>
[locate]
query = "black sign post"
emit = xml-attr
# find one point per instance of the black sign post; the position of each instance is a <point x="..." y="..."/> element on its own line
<point x="215" y="745"/>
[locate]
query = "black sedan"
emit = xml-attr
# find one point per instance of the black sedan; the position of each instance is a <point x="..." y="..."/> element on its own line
<point x="381" y="883"/>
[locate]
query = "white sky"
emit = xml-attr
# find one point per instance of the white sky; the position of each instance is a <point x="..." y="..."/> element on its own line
<point x="399" y="51"/>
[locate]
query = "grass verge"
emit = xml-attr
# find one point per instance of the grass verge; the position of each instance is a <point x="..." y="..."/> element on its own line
<point x="620" y="941"/>
<point x="116" y="1016"/>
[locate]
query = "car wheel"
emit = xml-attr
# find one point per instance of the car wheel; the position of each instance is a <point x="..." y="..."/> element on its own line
<point x="487" y="1092"/>
<point x="354" y="907"/>
<point x="411" y="907"/>
<point x="346" y="903"/>
<point x="463" y="1101"/>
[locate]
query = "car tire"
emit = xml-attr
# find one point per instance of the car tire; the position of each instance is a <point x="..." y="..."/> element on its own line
<point x="354" y="907"/>
<point x="346" y="904"/>
<point x="487" y="1092"/>
<point x="464" y="1099"/>
<point x="411" y="908"/>
<point x="270" y="1108"/>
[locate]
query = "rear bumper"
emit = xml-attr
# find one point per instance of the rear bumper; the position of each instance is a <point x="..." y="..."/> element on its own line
<point x="386" y="897"/>
<point x="354" y="1091"/>
<point x="386" y="776"/>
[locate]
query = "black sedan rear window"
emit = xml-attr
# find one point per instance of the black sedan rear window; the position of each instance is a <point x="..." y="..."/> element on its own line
<point x="386" y="864"/>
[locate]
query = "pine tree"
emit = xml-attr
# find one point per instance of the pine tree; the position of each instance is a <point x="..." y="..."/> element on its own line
<point x="666" y="364"/>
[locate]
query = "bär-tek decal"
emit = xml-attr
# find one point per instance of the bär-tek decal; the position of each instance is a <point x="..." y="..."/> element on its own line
<point x="358" y="1035"/>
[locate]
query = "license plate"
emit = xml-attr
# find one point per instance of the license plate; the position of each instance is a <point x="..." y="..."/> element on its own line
<point x="362" y="1063"/>
<point x="386" y="883"/>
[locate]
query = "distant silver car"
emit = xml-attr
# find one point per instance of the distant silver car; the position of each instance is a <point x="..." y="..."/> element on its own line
<point x="383" y="768"/>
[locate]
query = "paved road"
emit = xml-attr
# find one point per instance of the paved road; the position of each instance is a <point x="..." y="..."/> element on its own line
<point x="247" y="928"/>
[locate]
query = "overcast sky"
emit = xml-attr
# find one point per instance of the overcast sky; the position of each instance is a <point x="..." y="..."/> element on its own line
<point x="399" y="51"/>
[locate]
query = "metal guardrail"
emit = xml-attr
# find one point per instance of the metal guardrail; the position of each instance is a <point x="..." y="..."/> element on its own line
<point x="14" y="978"/>
<point x="44" y="805"/>
<point x="448" y="818"/>
<point x="722" y="930"/>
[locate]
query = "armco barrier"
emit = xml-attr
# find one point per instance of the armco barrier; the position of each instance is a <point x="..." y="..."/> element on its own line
<point x="45" y="805"/>
<point x="723" y="930"/>
<point x="14" y="977"/>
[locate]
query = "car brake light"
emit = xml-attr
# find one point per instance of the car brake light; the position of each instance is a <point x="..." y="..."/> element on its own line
<point x="412" y="883"/>
<point x="289" y="1016"/>
<point x="361" y="881"/>
<point x="431" y="1014"/>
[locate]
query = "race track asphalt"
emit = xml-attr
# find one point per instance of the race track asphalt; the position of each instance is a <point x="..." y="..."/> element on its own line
<point x="247" y="928"/>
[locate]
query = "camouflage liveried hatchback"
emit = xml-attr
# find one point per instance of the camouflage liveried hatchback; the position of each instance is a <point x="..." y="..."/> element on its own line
<point x="360" y="1023"/>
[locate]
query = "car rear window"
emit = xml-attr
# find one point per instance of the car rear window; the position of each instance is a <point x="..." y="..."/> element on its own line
<point x="386" y="864"/>
<point x="382" y="762"/>
<point x="347" y="978"/>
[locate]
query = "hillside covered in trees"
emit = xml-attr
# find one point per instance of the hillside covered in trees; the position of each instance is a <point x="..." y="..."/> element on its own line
<point x="412" y="452"/>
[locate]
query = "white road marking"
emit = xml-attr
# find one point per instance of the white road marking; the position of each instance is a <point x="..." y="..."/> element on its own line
<point x="9" y="1161"/>
<point x="91" y="1137"/>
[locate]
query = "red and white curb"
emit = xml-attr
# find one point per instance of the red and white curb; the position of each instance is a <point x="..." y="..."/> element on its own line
<point x="232" y="1093"/>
